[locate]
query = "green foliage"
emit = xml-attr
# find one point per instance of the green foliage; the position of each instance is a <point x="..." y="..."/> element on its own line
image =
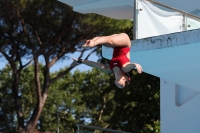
<point x="154" y="127"/>
<point x="135" y="109"/>
<point x="50" y="29"/>
<point x="89" y="97"/>
<point x="31" y="30"/>
<point x="138" y="104"/>
<point x="7" y="112"/>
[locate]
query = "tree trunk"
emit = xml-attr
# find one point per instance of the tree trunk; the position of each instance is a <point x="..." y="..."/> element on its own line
<point x="34" y="118"/>
<point x="17" y="101"/>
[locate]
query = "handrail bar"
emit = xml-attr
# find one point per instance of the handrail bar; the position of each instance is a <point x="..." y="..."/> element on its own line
<point x="188" y="14"/>
<point x="99" y="128"/>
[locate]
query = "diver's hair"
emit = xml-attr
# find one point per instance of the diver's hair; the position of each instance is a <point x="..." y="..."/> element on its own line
<point x="128" y="79"/>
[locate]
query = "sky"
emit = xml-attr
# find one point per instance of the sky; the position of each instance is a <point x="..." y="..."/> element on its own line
<point x="65" y="63"/>
<point x="81" y="67"/>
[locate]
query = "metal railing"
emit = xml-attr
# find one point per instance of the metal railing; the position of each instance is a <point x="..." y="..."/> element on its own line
<point x="185" y="14"/>
<point x="77" y="129"/>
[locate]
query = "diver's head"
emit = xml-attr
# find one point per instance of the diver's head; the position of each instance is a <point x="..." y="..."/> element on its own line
<point x="123" y="81"/>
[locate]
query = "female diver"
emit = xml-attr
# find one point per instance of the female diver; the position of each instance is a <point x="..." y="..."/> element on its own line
<point x="120" y="63"/>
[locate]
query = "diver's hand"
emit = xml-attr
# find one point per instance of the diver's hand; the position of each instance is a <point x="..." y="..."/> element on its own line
<point x="88" y="44"/>
<point x="138" y="67"/>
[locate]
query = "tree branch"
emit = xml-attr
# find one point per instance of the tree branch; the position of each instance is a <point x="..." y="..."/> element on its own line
<point x="36" y="72"/>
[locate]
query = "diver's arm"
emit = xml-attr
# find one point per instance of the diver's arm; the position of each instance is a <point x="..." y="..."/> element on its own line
<point x="131" y="66"/>
<point x="100" y="66"/>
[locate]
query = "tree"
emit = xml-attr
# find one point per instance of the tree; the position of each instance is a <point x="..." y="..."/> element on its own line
<point x="7" y="109"/>
<point x="59" y="109"/>
<point x="135" y="108"/>
<point x="31" y="30"/>
<point x="86" y="97"/>
<point x="138" y="108"/>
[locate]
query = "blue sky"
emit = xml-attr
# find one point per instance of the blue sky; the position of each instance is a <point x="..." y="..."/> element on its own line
<point x="64" y="63"/>
<point x="81" y="67"/>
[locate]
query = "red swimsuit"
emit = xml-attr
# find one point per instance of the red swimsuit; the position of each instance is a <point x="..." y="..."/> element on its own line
<point x="119" y="57"/>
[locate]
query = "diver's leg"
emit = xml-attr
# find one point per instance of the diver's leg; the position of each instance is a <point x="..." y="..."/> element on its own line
<point x="116" y="40"/>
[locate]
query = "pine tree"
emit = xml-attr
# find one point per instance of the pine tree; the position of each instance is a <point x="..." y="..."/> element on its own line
<point x="47" y="30"/>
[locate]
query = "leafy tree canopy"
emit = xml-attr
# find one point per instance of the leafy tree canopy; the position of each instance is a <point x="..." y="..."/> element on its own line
<point x="47" y="29"/>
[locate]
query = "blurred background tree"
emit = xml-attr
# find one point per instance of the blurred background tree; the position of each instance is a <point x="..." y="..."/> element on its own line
<point x="88" y="97"/>
<point x="47" y="30"/>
